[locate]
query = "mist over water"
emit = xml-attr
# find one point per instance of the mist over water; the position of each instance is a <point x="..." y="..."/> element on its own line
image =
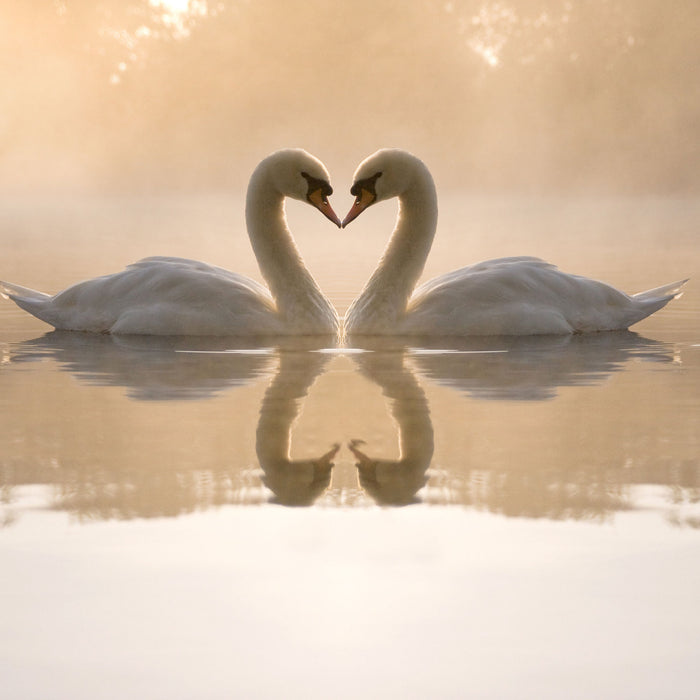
<point x="524" y="95"/>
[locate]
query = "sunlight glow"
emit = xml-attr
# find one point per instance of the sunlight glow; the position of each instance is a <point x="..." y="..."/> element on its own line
<point x="172" y="6"/>
<point x="176" y="14"/>
<point x="488" y="53"/>
<point x="170" y="18"/>
<point x="491" y="28"/>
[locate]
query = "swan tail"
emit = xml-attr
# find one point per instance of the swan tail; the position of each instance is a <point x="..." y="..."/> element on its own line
<point x="29" y="300"/>
<point x="647" y="303"/>
<point x="15" y="292"/>
<point x="665" y="293"/>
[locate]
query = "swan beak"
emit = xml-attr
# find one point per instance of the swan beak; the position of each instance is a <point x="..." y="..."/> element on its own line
<point x="320" y="201"/>
<point x="364" y="199"/>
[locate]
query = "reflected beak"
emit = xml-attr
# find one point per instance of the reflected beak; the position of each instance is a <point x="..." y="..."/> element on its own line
<point x="320" y="201"/>
<point x="361" y="203"/>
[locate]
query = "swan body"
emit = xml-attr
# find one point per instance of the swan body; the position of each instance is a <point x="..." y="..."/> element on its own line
<point x="176" y="296"/>
<point x="506" y="296"/>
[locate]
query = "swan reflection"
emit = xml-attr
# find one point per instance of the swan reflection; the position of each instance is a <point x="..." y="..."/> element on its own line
<point x="532" y="368"/>
<point x="507" y="478"/>
<point x="496" y="369"/>
<point x="294" y="482"/>
<point x="112" y="463"/>
<point x="153" y="368"/>
<point x="387" y="481"/>
<point x="159" y="453"/>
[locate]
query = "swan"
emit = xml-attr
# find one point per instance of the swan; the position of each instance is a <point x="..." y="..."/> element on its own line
<point x="506" y="296"/>
<point x="176" y="296"/>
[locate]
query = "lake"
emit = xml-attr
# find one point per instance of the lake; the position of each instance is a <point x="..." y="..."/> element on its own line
<point x="484" y="518"/>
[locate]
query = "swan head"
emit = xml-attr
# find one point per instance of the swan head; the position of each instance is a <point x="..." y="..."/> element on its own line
<point x="385" y="174"/>
<point x="297" y="174"/>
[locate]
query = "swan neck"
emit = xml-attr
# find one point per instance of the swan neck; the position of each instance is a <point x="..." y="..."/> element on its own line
<point x="292" y="286"/>
<point x="282" y="404"/>
<point x="402" y="263"/>
<point x="409" y="407"/>
<point x="410" y="243"/>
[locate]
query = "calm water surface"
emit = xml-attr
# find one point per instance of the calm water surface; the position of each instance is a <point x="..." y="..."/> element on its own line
<point x="494" y="518"/>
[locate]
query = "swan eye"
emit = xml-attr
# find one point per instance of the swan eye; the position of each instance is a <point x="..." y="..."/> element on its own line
<point x="369" y="184"/>
<point x="315" y="184"/>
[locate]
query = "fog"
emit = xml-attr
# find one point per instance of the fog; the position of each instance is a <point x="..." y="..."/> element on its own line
<point x="517" y="95"/>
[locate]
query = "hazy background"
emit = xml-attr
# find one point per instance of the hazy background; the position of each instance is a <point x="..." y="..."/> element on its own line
<point x="140" y="95"/>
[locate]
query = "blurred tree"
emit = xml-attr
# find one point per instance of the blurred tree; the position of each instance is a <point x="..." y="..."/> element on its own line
<point x="518" y="93"/>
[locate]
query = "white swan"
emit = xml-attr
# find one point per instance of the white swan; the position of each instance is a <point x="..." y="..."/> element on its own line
<point x="507" y="296"/>
<point x="175" y="296"/>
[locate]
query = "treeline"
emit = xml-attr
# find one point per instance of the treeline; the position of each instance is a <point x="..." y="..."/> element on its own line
<point x="529" y="94"/>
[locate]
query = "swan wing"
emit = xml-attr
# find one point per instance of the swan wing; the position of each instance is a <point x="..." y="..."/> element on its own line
<point x="525" y="296"/>
<point x="159" y="296"/>
<point x="484" y="268"/>
<point x="196" y="266"/>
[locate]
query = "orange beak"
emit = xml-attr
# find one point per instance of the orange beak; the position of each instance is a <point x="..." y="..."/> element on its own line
<point x="320" y="201"/>
<point x="364" y="199"/>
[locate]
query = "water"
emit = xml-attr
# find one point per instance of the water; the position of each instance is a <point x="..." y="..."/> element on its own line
<point x="503" y="517"/>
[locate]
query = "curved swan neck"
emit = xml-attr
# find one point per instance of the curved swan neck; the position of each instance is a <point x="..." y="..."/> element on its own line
<point x="403" y="260"/>
<point x="282" y="404"/>
<point x="409" y="405"/>
<point x="413" y="235"/>
<point x="294" y="289"/>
